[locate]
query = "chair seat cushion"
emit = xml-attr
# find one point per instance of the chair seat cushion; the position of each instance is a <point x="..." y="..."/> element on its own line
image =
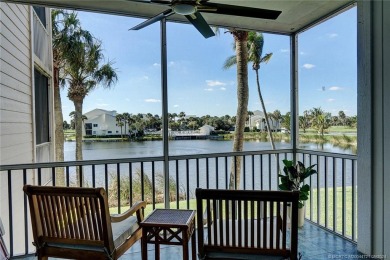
<point x="121" y="231"/>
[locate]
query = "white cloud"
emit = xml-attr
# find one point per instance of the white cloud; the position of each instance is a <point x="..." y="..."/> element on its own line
<point x="308" y="66"/>
<point x="208" y="89"/>
<point x="284" y="50"/>
<point x="302" y="53"/>
<point x="171" y="63"/>
<point x="102" y="105"/>
<point x="145" y="77"/>
<point x="156" y="64"/>
<point x="332" y="35"/>
<point x="213" y="83"/>
<point x="335" y="88"/>
<point x="222" y="88"/>
<point x="152" y="100"/>
<point x="175" y="105"/>
<point x="330" y="99"/>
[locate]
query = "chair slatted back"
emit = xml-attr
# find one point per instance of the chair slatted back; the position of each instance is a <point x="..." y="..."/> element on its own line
<point x="248" y="222"/>
<point x="70" y="215"/>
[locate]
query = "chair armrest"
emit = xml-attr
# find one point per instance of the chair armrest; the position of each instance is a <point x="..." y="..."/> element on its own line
<point x="136" y="208"/>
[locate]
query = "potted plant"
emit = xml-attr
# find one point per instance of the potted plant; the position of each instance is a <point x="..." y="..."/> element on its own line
<point x="293" y="178"/>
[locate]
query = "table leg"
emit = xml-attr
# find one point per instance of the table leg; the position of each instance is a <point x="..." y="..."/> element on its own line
<point x="185" y="244"/>
<point x="157" y="251"/>
<point x="193" y="243"/>
<point x="144" y="244"/>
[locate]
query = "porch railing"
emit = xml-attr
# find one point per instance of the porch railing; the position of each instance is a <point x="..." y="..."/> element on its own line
<point x="332" y="202"/>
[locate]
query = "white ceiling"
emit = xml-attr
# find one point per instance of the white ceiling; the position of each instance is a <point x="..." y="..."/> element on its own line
<point x="296" y="14"/>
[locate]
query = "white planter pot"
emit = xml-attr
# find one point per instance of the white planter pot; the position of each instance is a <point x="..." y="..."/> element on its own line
<point x="301" y="216"/>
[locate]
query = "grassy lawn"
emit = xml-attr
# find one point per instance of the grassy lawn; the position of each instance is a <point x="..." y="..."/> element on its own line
<point x="331" y="207"/>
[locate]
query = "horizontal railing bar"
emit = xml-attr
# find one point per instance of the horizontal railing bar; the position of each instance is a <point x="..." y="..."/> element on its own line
<point x="79" y="163"/>
<point x="329" y="154"/>
<point x="138" y="159"/>
<point x="229" y="154"/>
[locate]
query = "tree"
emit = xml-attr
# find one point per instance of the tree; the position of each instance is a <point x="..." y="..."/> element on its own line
<point x="126" y="118"/>
<point x="304" y="121"/>
<point x="286" y="121"/>
<point x="83" y="74"/>
<point x="320" y="120"/>
<point x="119" y="119"/>
<point x="342" y="117"/>
<point x="241" y="62"/>
<point x="64" y="24"/>
<point x="256" y="42"/>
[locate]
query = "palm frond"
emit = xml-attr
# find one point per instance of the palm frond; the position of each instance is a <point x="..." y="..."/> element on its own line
<point x="230" y="62"/>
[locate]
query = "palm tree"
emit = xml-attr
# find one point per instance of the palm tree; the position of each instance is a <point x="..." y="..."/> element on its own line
<point x="320" y="120"/>
<point x="63" y="26"/>
<point x="256" y="43"/>
<point x="84" y="73"/>
<point x="119" y="119"/>
<point x="126" y="118"/>
<point x="241" y="60"/>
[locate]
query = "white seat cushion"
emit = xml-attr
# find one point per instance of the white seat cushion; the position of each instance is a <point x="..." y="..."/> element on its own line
<point x="121" y="231"/>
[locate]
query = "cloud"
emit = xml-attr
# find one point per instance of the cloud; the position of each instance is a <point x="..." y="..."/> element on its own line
<point x="208" y="89"/>
<point x="171" y="63"/>
<point x="332" y="35"/>
<point x="308" y="66"/>
<point x="213" y="83"/>
<point x="156" y="64"/>
<point x="284" y="50"/>
<point x="152" y="100"/>
<point x="175" y="105"/>
<point x="302" y="53"/>
<point x="222" y="88"/>
<point x="145" y="77"/>
<point x="102" y="105"/>
<point x="330" y="99"/>
<point x="335" y="88"/>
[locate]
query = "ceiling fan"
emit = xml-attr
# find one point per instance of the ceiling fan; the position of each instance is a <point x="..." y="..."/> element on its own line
<point x="192" y="10"/>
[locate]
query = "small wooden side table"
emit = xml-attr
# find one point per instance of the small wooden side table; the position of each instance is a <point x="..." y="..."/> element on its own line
<point x="169" y="227"/>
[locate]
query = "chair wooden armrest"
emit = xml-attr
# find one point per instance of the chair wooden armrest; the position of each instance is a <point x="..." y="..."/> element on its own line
<point x="136" y="208"/>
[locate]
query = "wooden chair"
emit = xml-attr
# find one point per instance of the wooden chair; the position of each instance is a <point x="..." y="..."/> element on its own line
<point x="246" y="224"/>
<point x="75" y="223"/>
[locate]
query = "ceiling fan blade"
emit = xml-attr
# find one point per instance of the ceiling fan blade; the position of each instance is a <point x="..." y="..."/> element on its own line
<point x="241" y="11"/>
<point x="200" y="24"/>
<point x="154" y="19"/>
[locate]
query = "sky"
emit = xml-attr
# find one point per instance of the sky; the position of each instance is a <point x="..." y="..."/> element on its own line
<point x="197" y="82"/>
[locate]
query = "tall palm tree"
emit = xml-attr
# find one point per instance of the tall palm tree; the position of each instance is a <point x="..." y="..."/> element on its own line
<point x="64" y="24"/>
<point x="241" y="60"/>
<point x="256" y="43"/>
<point x="84" y="73"/>
<point x="255" y="51"/>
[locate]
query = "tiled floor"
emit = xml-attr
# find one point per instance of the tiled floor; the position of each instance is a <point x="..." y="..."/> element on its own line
<point x="313" y="243"/>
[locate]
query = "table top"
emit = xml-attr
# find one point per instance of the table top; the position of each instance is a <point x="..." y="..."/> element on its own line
<point x="169" y="217"/>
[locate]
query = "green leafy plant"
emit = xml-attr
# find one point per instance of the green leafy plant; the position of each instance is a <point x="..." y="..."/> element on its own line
<point x="293" y="178"/>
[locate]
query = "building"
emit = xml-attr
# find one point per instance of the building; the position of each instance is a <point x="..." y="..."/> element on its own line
<point x="102" y="122"/>
<point x="206" y="130"/>
<point x="257" y="120"/>
<point x="26" y="99"/>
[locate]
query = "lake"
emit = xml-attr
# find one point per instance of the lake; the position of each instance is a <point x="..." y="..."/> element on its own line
<point x="207" y="168"/>
<point x="115" y="150"/>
